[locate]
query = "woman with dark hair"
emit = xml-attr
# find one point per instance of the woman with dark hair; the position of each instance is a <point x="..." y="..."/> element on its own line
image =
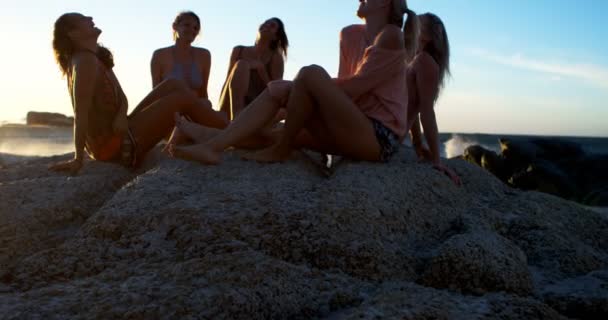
<point x="253" y="67"/>
<point x="425" y="79"/>
<point x="362" y="114"/>
<point x="182" y="61"/>
<point x="101" y="124"/>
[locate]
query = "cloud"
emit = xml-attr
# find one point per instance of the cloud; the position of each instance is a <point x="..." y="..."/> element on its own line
<point x="594" y="74"/>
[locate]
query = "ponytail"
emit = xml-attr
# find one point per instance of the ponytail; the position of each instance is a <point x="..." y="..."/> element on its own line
<point x="410" y="28"/>
<point x="411" y="33"/>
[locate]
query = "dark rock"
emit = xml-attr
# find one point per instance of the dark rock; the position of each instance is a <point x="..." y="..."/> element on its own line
<point x="479" y="263"/>
<point x="545" y="176"/>
<point x="244" y="240"/>
<point x="49" y="119"/>
<point x="518" y="152"/>
<point x="583" y="297"/>
<point x="553" y="166"/>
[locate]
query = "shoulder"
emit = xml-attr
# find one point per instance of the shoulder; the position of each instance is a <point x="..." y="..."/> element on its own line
<point x="84" y="59"/>
<point x="425" y="67"/>
<point x="160" y="53"/>
<point x="238" y="48"/>
<point x="352" y="30"/>
<point x="390" y="38"/>
<point x="425" y="63"/>
<point x="202" y="53"/>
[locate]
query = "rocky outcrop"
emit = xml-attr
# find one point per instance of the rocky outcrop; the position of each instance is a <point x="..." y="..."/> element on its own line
<point x="553" y="166"/>
<point x="478" y="263"/>
<point x="246" y="240"/>
<point x="48" y="119"/>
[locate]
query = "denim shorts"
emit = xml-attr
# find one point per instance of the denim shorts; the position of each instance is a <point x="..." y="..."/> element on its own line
<point x="388" y="140"/>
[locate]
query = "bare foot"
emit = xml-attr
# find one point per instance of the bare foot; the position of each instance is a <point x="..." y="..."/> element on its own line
<point x="194" y="131"/>
<point x="274" y="153"/>
<point x="198" y="152"/>
<point x="176" y="138"/>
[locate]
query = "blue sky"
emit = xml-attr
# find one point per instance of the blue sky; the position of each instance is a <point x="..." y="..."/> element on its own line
<point x="519" y="66"/>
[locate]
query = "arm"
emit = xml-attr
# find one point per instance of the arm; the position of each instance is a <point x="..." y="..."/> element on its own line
<point x="234" y="56"/>
<point x="427" y="81"/>
<point x="206" y="64"/>
<point x="84" y="74"/>
<point x="343" y="69"/>
<point x="278" y="67"/>
<point x="391" y="38"/>
<point x="416" y="134"/>
<point x="155" y="69"/>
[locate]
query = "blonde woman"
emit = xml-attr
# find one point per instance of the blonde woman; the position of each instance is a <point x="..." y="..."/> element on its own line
<point x="182" y="61"/>
<point x="425" y="79"/>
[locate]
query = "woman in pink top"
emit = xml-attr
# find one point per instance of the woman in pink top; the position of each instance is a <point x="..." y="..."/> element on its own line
<point x="425" y="79"/>
<point x="362" y="114"/>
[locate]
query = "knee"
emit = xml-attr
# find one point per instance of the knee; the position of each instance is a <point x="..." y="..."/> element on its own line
<point x="175" y="84"/>
<point x="241" y="66"/>
<point x="311" y="73"/>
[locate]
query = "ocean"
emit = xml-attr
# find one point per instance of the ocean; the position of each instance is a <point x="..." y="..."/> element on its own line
<point x="21" y="142"/>
<point x="32" y="141"/>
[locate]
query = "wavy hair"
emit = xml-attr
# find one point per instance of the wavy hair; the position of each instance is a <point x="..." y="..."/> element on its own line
<point x="64" y="48"/>
<point x="439" y="45"/>
<point x="282" y="42"/>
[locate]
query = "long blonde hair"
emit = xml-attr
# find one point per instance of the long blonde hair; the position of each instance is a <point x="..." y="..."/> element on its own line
<point x="439" y="46"/>
<point x="411" y="28"/>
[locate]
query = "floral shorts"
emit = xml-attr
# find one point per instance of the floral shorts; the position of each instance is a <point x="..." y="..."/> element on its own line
<point x="388" y="140"/>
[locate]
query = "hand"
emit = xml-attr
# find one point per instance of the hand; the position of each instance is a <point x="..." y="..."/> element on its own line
<point x="71" y="166"/>
<point x="120" y="124"/>
<point x="448" y="172"/>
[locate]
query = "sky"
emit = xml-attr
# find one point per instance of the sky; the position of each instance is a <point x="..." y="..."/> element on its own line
<point x="518" y="66"/>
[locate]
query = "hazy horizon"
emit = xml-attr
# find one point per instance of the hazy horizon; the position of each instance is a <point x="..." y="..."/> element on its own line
<point x="519" y="67"/>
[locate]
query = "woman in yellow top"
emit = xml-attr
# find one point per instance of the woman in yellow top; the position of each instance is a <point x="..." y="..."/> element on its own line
<point x="101" y="124"/>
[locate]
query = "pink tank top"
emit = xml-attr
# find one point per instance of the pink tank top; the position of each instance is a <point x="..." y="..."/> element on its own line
<point x="387" y="102"/>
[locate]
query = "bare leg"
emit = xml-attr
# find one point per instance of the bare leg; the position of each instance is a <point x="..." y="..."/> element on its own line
<point x="238" y="87"/>
<point x="232" y="101"/>
<point x="191" y="130"/>
<point x="162" y="89"/>
<point x="348" y="129"/>
<point x="253" y="118"/>
<point x="152" y="122"/>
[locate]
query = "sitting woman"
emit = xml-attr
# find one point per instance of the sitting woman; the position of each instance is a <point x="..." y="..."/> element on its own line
<point x="183" y="61"/>
<point x="100" y="106"/>
<point x="362" y="114"/>
<point x="425" y="79"/>
<point x="252" y="68"/>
